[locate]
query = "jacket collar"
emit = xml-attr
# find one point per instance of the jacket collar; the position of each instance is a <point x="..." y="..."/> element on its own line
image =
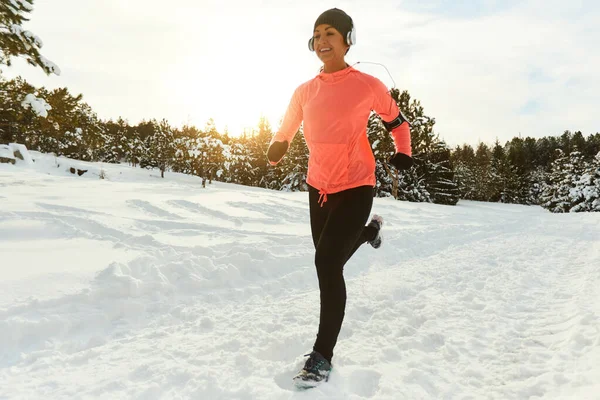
<point x="335" y="76"/>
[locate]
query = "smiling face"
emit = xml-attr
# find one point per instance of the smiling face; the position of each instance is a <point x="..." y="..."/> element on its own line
<point x="329" y="44"/>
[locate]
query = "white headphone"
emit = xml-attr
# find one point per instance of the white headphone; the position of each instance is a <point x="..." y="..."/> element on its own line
<point x="350" y="39"/>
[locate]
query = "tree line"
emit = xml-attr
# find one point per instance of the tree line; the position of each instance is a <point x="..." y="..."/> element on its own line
<point x="560" y="173"/>
<point x="557" y="172"/>
<point x="72" y="129"/>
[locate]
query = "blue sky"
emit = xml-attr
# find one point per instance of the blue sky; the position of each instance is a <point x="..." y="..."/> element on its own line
<point x="484" y="69"/>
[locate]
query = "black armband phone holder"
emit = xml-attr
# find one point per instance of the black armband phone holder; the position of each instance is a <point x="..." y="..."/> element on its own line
<point x="396" y="122"/>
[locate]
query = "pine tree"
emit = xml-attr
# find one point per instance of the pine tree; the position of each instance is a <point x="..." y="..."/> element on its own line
<point x="483" y="156"/>
<point x="119" y="142"/>
<point x="160" y="146"/>
<point x="545" y="151"/>
<point x="578" y="142"/>
<point x="294" y="166"/>
<point x="134" y="148"/>
<point x="503" y="178"/>
<point x="16" y="121"/>
<point x="145" y="132"/>
<point x="109" y="152"/>
<point x="562" y="191"/>
<point x="433" y="178"/>
<point x="258" y="143"/>
<point x="382" y="145"/>
<point x="185" y="158"/>
<point x="412" y="187"/>
<point x="585" y="193"/>
<point x="210" y="152"/>
<point x="463" y="159"/>
<point x="17" y="42"/>
<point x="593" y="145"/>
<point x="440" y="181"/>
<point x="465" y="178"/>
<point x="535" y="184"/>
<point x="390" y="182"/>
<point x="432" y="156"/>
<point x="70" y="129"/>
<point x="594" y="197"/>
<point x="238" y="166"/>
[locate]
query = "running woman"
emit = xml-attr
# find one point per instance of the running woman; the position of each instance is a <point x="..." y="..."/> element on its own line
<point x="335" y="107"/>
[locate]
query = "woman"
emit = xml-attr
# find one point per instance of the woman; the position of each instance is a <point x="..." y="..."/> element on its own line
<point x="335" y="107"/>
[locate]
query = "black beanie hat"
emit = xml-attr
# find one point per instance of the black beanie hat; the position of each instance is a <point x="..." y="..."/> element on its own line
<point x="336" y="18"/>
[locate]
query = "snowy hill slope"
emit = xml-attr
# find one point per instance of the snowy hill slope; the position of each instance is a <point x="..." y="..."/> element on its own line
<point x="139" y="287"/>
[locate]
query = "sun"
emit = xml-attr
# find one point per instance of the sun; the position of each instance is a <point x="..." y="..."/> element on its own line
<point x="227" y="79"/>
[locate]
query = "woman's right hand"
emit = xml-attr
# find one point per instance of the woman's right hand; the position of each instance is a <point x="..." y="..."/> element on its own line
<point x="276" y="151"/>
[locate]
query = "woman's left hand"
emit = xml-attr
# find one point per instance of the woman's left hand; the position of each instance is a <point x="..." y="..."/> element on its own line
<point x="401" y="161"/>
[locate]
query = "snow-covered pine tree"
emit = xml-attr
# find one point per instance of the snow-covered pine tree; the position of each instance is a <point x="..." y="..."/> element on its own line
<point x="207" y="150"/>
<point x="108" y="154"/>
<point x="382" y="146"/>
<point x="145" y="132"/>
<point x="161" y="146"/>
<point x="553" y="196"/>
<point x="71" y="144"/>
<point x="412" y="187"/>
<point x="184" y="143"/>
<point x="91" y="131"/>
<point x="401" y="185"/>
<point x="593" y="145"/>
<point x="212" y="158"/>
<point x="594" y="198"/>
<point x="465" y="178"/>
<point x="72" y="129"/>
<point x="520" y="154"/>
<point x="121" y="144"/>
<point x="134" y="149"/>
<point x="385" y="185"/>
<point x="535" y="184"/>
<point x="432" y="156"/>
<point x="463" y="159"/>
<point x="440" y="181"/>
<point x="182" y="159"/>
<point x="503" y="178"/>
<point x="258" y="143"/>
<point x="18" y="42"/>
<point x="294" y="166"/>
<point x="16" y="121"/>
<point x="585" y="195"/>
<point x="561" y="192"/>
<point x="483" y="156"/>
<point x="238" y="166"/>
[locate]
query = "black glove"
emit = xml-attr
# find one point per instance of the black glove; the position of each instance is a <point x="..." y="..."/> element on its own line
<point x="276" y="151"/>
<point x="401" y="161"/>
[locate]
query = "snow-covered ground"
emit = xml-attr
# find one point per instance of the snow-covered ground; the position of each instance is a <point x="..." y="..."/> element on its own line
<point x="136" y="287"/>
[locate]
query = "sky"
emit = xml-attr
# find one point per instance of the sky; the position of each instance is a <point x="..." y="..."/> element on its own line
<point x="486" y="70"/>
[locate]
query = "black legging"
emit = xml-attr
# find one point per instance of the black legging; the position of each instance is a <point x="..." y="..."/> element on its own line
<point x="338" y="230"/>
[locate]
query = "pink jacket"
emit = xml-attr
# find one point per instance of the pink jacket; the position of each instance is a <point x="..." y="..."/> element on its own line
<point x="335" y="108"/>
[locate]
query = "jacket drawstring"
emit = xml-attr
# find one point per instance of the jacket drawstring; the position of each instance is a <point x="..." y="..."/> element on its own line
<point x="323" y="196"/>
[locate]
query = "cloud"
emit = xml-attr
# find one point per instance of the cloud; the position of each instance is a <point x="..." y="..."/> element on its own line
<point x="475" y="74"/>
<point x="459" y="9"/>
